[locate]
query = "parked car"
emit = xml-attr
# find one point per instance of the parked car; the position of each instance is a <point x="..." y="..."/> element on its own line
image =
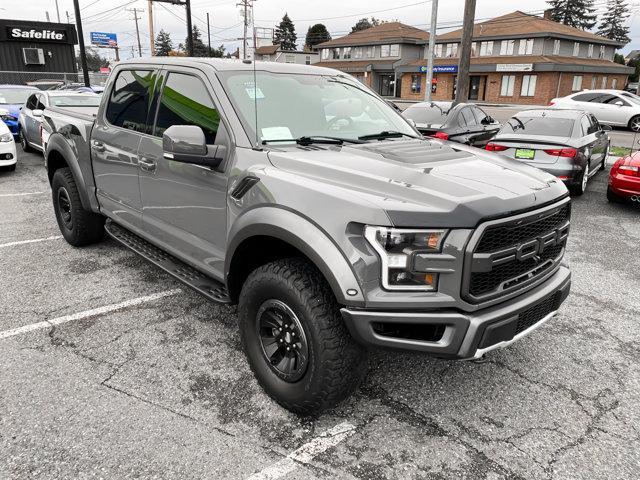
<point x="327" y="229"/>
<point x="45" y="84"/>
<point x="624" y="179"/>
<point x="464" y="123"/>
<point x="8" y="156"/>
<point x="80" y="87"/>
<point x="30" y="119"/>
<point x="611" y="107"/>
<point x="570" y="144"/>
<point x="631" y="87"/>
<point x="12" y="98"/>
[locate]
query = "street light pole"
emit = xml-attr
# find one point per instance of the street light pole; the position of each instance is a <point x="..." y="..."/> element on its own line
<point x="462" y="90"/>
<point x="83" y="53"/>
<point x="432" y="45"/>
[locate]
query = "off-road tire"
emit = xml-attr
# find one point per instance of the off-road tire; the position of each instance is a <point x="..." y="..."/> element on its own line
<point x="84" y="228"/>
<point x="336" y="363"/>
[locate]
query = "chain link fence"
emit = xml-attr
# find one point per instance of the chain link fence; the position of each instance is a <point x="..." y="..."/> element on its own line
<point x="47" y="80"/>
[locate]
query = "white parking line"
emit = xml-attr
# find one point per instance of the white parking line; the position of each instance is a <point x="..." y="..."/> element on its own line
<point x="35" y="240"/>
<point x="20" y="194"/>
<point x="87" y="314"/>
<point x="306" y="453"/>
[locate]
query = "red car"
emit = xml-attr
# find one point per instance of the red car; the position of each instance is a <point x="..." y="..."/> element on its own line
<point x="624" y="178"/>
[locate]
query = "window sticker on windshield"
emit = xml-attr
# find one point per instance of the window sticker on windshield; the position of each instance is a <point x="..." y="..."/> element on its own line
<point x="276" y="133"/>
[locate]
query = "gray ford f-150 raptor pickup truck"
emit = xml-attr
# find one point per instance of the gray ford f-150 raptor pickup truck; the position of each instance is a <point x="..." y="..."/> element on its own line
<point x="302" y="196"/>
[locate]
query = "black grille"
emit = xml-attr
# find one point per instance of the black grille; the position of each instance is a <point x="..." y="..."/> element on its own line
<point x="485" y="282"/>
<point x="533" y="315"/>
<point x="502" y="236"/>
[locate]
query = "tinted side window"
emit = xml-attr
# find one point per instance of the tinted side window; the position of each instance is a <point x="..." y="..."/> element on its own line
<point x="605" y="98"/>
<point x="185" y="101"/>
<point x="467" y="114"/>
<point x="40" y="103"/>
<point x="480" y="115"/>
<point x="586" y="97"/>
<point x="129" y="100"/>
<point x="595" y="125"/>
<point x="31" y="102"/>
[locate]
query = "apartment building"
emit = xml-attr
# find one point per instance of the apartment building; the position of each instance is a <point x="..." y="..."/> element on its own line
<point x="374" y="55"/>
<point x="516" y="58"/>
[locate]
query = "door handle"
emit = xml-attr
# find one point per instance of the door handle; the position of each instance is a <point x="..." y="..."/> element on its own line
<point x="98" y="146"/>
<point x="146" y="164"/>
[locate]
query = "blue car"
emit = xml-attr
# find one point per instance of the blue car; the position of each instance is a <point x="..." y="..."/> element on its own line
<point x="12" y="98"/>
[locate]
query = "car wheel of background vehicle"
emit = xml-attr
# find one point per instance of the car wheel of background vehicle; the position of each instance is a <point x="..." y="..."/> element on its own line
<point x="23" y="142"/>
<point x="605" y="157"/>
<point x="612" y="197"/>
<point x="634" y="124"/>
<point x="581" y="186"/>
<point x="78" y="226"/>
<point x="295" y="339"/>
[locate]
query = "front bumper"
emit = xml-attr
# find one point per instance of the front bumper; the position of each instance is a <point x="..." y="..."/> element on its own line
<point x="7" y="154"/>
<point x="461" y="335"/>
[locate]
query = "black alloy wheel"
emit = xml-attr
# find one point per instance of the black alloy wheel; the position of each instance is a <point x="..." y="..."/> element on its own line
<point x="64" y="207"/>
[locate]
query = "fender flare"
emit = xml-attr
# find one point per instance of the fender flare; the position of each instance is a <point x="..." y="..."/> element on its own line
<point x="57" y="143"/>
<point x="304" y="235"/>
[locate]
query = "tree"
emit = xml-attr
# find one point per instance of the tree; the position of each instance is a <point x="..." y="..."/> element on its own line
<point x="365" y="23"/>
<point x="618" y="58"/>
<point x="163" y="44"/>
<point x="575" y="13"/>
<point x="94" y="60"/>
<point x="199" y="47"/>
<point x="636" y="74"/>
<point x="316" y="34"/>
<point x="612" y="24"/>
<point x="285" y="34"/>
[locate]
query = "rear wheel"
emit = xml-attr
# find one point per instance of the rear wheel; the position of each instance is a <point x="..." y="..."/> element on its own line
<point x="605" y="157"/>
<point x="612" y="197"/>
<point x="295" y="339"/>
<point x="78" y="226"/>
<point x="634" y="124"/>
<point x="581" y="185"/>
<point x="23" y="141"/>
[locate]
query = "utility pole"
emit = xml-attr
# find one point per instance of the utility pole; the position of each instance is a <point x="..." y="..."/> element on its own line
<point x="68" y="19"/>
<point x="47" y="14"/>
<point x="58" y="11"/>
<point x="187" y="4"/>
<point x="83" y="53"/>
<point x="208" y="34"/>
<point x="432" y="45"/>
<point x="462" y="90"/>
<point x="136" y="18"/>
<point x="151" y="34"/>
<point x="245" y="4"/>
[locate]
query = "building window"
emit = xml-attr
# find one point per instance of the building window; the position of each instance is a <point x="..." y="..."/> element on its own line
<point x="528" y="86"/>
<point x="506" y="89"/>
<point x="576" y="49"/>
<point x="474" y="51"/>
<point x="604" y="82"/>
<point x="438" y="51"/>
<point x="590" y="51"/>
<point x="385" y="50"/>
<point x="451" y="50"/>
<point x="289" y="58"/>
<point x="368" y="52"/>
<point x="336" y="53"/>
<point x="506" y="47"/>
<point x="394" y="50"/>
<point x="307" y="60"/>
<point x="614" y="83"/>
<point x="577" y="83"/>
<point x="601" y="53"/>
<point x="525" y="47"/>
<point x="556" y="47"/>
<point x="346" y="52"/>
<point x="594" y="79"/>
<point x="325" y="53"/>
<point x="357" y="52"/>
<point x="416" y="83"/>
<point x="486" y="49"/>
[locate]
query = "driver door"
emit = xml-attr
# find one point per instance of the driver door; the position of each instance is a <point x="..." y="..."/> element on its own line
<point x="184" y="205"/>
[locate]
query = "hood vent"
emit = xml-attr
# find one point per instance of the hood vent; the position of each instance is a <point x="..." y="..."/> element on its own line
<point x="415" y="152"/>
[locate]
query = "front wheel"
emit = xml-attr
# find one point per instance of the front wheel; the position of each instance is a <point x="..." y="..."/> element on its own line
<point x="634" y="124"/>
<point x="295" y="339"/>
<point x="23" y="141"/>
<point x="78" y="226"/>
<point x="605" y="157"/>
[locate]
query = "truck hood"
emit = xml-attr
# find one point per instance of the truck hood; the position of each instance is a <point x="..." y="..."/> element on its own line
<point x="425" y="183"/>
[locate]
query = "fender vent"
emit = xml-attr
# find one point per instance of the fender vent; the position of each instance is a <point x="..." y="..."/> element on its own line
<point x="243" y="187"/>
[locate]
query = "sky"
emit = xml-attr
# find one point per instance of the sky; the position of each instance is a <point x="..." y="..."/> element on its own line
<point x="116" y="16"/>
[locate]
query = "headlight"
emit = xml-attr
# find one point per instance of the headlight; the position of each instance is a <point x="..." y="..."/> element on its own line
<point x="396" y="248"/>
<point x="6" y="137"/>
<point x="8" y="118"/>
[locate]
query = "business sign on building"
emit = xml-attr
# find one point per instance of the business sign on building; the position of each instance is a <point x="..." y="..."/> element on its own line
<point x="102" y="39"/>
<point x="514" y="67"/>
<point x="441" y="69"/>
<point x="35" y="34"/>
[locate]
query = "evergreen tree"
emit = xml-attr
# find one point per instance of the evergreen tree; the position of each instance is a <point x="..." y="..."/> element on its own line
<point x="618" y="58"/>
<point x="316" y="34"/>
<point x="285" y="34"/>
<point x="575" y="13"/>
<point x="163" y="44"/>
<point x="200" y="49"/>
<point x="94" y="60"/>
<point x="612" y="23"/>
<point x="365" y="23"/>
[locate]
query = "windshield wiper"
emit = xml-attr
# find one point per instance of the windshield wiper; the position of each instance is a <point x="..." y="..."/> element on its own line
<point x="385" y="134"/>
<point x="308" y="140"/>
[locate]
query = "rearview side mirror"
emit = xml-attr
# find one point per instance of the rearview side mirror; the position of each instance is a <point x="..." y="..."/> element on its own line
<point x="487" y="120"/>
<point x="619" y="103"/>
<point x="187" y="144"/>
<point x="606" y="128"/>
<point x="37" y="112"/>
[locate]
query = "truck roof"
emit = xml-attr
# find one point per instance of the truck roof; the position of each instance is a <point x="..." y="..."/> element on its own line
<point x="225" y="64"/>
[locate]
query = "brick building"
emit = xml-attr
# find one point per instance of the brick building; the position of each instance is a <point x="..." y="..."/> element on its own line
<point x="516" y="58"/>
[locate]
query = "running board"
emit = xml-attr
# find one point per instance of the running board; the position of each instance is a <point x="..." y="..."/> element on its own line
<point x="210" y="288"/>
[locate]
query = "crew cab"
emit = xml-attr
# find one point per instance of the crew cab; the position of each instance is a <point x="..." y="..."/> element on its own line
<point x="300" y="195"/>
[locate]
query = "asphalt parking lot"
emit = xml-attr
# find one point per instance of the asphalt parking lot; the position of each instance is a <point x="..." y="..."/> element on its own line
<point x="111" y="369"/>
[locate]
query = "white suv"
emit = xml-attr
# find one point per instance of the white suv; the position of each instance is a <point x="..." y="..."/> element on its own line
<point x="611" y="107"/>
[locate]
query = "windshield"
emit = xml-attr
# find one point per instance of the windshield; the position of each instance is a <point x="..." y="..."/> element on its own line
<point x="426" y="114"/>
<point x="554" y="127"/>
<point x="10" y="96"/>
<point x="75" y="101"/>
<point x="291" y="106"/>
